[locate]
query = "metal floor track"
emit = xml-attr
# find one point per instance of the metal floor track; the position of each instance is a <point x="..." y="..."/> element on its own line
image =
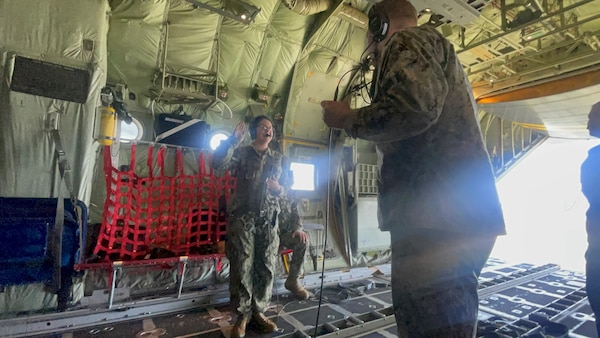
<point x="515" y="301"/>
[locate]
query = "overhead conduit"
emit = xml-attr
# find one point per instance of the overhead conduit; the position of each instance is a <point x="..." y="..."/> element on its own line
<point x="346" y="12"/>
<point x="307" y="7"/>
<point x="353" y="15"/>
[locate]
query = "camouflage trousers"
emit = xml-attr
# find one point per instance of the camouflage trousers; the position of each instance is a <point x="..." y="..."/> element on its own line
<point x="252" y="247"/>
<point x="299" y="251"/>
<point x="434" y="282"/>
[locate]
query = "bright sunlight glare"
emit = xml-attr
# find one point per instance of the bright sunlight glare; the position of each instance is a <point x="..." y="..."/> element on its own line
<point x="304" y="174"/>
<point x="544" y="208"/>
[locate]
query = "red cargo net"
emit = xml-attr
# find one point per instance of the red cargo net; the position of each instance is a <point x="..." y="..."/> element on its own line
<point x="184" y="214"/>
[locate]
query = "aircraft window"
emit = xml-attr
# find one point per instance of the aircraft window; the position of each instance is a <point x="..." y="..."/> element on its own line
<point x="216" y="139"/>
<point x="131" y="132"/>
<point x="304" y="176"/>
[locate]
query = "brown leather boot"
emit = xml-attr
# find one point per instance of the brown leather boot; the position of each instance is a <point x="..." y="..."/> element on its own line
<point x="239" y="328"/>
<point x="297" y="290"/>
<point x="262" y="324"/>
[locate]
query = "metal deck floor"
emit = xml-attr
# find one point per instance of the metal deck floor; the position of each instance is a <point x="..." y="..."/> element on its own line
<point x="512" y="300"/>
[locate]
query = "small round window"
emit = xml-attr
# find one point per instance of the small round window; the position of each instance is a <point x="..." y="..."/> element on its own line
<point x="216" y="139"/>
<point x="132" y="131"/>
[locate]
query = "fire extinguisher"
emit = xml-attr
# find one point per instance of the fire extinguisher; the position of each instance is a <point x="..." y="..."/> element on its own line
<point x="107" y="132"/>
<point x="111" y="111"/>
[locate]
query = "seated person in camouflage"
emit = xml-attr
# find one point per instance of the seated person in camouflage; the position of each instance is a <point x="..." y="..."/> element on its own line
<point x="293" y="237"/>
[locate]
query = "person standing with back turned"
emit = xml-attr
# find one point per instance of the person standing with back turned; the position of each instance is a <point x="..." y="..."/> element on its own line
<point x="590" y="186"/>
<point x="437" y="192"/>
<point x="252" y="221"/>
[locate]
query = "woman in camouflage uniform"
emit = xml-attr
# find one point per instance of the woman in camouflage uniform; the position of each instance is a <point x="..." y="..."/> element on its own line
<point x="252" y="223"/>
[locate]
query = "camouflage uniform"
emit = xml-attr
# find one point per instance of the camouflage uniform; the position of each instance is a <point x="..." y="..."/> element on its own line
<point x="252" y="227"/>
<point x="289" y="221"/>
<point x="437" y="193"/>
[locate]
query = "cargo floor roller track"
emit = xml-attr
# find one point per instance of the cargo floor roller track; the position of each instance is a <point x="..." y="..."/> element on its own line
<point x="513" y="300"/>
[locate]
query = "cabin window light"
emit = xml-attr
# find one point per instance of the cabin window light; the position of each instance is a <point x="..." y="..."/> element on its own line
<point x="304" y="176"/>
<point x="131" y="131"/>
<point x="216" y="138"/>
<point x="242" y="10"/>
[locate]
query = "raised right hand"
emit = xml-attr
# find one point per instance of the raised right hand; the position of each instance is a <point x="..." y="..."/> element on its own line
<point x="238" y="132"/>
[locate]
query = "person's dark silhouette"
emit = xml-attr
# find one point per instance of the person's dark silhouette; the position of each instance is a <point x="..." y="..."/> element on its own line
<point x="590" y="186"/>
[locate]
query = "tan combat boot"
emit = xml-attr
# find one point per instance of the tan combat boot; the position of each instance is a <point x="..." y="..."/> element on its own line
<point x="297" y="290"/>
<point x="239" y="328"/>
<point x="262" y="324"/>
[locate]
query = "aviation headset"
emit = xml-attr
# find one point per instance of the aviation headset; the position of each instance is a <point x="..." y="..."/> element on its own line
<point x="254" y="124"/>
<point x="379" y="25"/>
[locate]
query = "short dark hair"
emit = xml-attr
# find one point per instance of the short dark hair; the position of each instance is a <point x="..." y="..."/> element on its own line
<point x="254" y="124"/>
<point x="396" y="9"/>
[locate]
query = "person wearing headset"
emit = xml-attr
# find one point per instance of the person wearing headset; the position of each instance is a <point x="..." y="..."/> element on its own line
<point x="437" y="192"/>
<point x="252" y="221"/>
<point x="590" y="186"/>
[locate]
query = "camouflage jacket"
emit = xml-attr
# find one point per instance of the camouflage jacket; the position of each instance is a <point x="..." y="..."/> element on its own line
<point x="434" y="169"/>
<point x="289" y="218"/>
<point x="251" y="170"/>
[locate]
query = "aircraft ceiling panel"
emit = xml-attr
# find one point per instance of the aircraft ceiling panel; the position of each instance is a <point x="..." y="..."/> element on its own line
<point x="516" y="111"/>
<point x="308" y="123"/>
<point x="564" y="115"/>
<point x="503" y="49"/>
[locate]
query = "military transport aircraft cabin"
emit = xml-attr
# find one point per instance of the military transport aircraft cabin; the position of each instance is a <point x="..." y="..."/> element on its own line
<point x="113" y="222"/>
